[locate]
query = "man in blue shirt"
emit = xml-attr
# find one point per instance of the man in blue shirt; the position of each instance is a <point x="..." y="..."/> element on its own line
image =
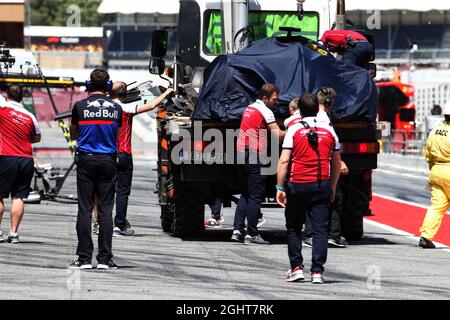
<point x="95" y="125"/>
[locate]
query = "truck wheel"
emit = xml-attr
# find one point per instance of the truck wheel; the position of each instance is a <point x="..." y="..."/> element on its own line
<point x="166" y="218"/>
<point x="188" y="213"/>
<point x="352" y="226"/>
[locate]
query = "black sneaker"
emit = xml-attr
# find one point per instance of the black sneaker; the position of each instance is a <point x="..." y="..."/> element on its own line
<point x="13" y="238"/>
<point x="307" y="242"/>
<point x="237" y="236"/>
<point x="108" y="265"/>
<point x="77" y="264"/>
<point x="337" y="243"/>
<point x="125" y="232"/>
<point x="426" y="244"/>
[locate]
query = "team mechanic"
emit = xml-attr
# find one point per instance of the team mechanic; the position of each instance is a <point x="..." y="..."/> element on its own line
<point x="251" y="149"/>
<point x="125" y="169"/>
<point x="352" y="46"/>
<point x="437" y="154"/>
<point x="95" y="125"/>
<point x="305" y="161"/>
<point x="18" y="130"/>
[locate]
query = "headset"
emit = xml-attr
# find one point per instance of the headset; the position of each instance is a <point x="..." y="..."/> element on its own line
<point x="108" y="86"/>
<point x="123" y="92"/>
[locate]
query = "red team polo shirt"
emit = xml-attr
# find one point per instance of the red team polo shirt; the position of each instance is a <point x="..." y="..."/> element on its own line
<point x="124" y="141"/>
<point x="295" y="118"/>
<point x="17" y="125"/>
<point x="304" y="159"/>
<point x="255" y="118"/>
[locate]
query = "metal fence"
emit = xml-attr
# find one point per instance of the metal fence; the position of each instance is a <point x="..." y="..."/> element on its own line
<point x="426" y="96"/>
<point x="404" y="56"/>
<point x="404" y="142"/>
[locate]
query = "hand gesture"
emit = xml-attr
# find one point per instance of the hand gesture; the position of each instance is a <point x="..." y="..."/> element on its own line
<point x="281" y="198"/>
<point x="344" y="169"/>
<point x="169" y="91"/>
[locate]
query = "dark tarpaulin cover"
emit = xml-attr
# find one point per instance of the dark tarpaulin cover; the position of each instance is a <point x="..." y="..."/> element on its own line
<point x="232" y="81"/>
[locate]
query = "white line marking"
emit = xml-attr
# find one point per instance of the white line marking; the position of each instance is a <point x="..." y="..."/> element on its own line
<point x="419" y="175"/>
<point x="403" y="233"/>
<point x="403" y="201"/>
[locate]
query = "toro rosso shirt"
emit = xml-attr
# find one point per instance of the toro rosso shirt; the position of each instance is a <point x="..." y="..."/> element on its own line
<point x="98" y="119"/>
<point x="304" y="159"/>
<point x="17" y="125"/>
<point x="255" y="118"/>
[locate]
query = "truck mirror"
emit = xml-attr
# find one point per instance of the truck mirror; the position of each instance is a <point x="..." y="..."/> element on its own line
<point x="373" y="70"/>
<point x="159" y="43"/>
<point x="156" y="66"/>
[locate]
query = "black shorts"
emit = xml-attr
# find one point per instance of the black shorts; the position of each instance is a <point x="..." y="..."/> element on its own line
<point x="16" y="174"/>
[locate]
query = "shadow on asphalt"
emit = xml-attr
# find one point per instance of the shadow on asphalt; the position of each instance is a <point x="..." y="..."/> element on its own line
<point x="224" y="235"/>
<point x="440" y="248"/>
<point x="371" y="241"/>
<point x="26" y="242"/>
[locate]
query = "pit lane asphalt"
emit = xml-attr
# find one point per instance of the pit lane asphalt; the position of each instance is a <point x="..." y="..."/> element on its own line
<point x="154" y="265"/>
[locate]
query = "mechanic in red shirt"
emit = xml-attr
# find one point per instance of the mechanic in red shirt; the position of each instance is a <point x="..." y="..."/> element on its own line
<point x="295" y="114"/>
<point x="305" y="162"/>
<point x="19" y="129"/>
<point x="125" y="169"/>
<point x="257" y="121"/>
<point x="351" y="45"/>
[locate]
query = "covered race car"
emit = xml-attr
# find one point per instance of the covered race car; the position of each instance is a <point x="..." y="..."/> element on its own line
<point x="232" y="81"/>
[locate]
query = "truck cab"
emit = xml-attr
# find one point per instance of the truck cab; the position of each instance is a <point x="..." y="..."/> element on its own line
<point x="205" y="29"/>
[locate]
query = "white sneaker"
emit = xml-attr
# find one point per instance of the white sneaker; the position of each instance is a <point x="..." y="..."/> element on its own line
<point x="254" y="240"/>
<point x="1" y="236"/>
<point x="261" y="221"/>
<point x="116" y="232"/>
<point x="213" y="223"/>
<point x="317" y="278"/>
<point x="296" y="275"/>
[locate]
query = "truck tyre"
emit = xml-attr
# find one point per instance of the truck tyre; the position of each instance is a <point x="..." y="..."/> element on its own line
<point x="166" y="218"/>
<point x="188" y="213"/>
<point x="355" y="205"/>
<point x="352" y="226"/>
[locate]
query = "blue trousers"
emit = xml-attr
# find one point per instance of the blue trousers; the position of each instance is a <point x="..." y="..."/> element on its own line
<point x="253" y="186"/>
<point x="359" y="55"/>
<point x="312" y="199"/>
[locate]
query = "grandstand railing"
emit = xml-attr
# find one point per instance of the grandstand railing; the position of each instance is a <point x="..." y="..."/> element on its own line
<point x="68" y="59"/>
<point x="404" y="56"/>
<point x="85" y="59"/>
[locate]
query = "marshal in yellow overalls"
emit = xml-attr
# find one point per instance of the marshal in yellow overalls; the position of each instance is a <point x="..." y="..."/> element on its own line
<point x="438" y="157"/>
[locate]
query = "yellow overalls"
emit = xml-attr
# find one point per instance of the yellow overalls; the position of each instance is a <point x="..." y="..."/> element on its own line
<point x="437" y="154"/>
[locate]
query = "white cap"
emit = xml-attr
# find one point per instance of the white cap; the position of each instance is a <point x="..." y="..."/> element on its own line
<point x="446" y="110"/>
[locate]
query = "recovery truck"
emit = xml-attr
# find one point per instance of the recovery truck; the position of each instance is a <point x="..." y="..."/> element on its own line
<point x="206" y="30"/>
